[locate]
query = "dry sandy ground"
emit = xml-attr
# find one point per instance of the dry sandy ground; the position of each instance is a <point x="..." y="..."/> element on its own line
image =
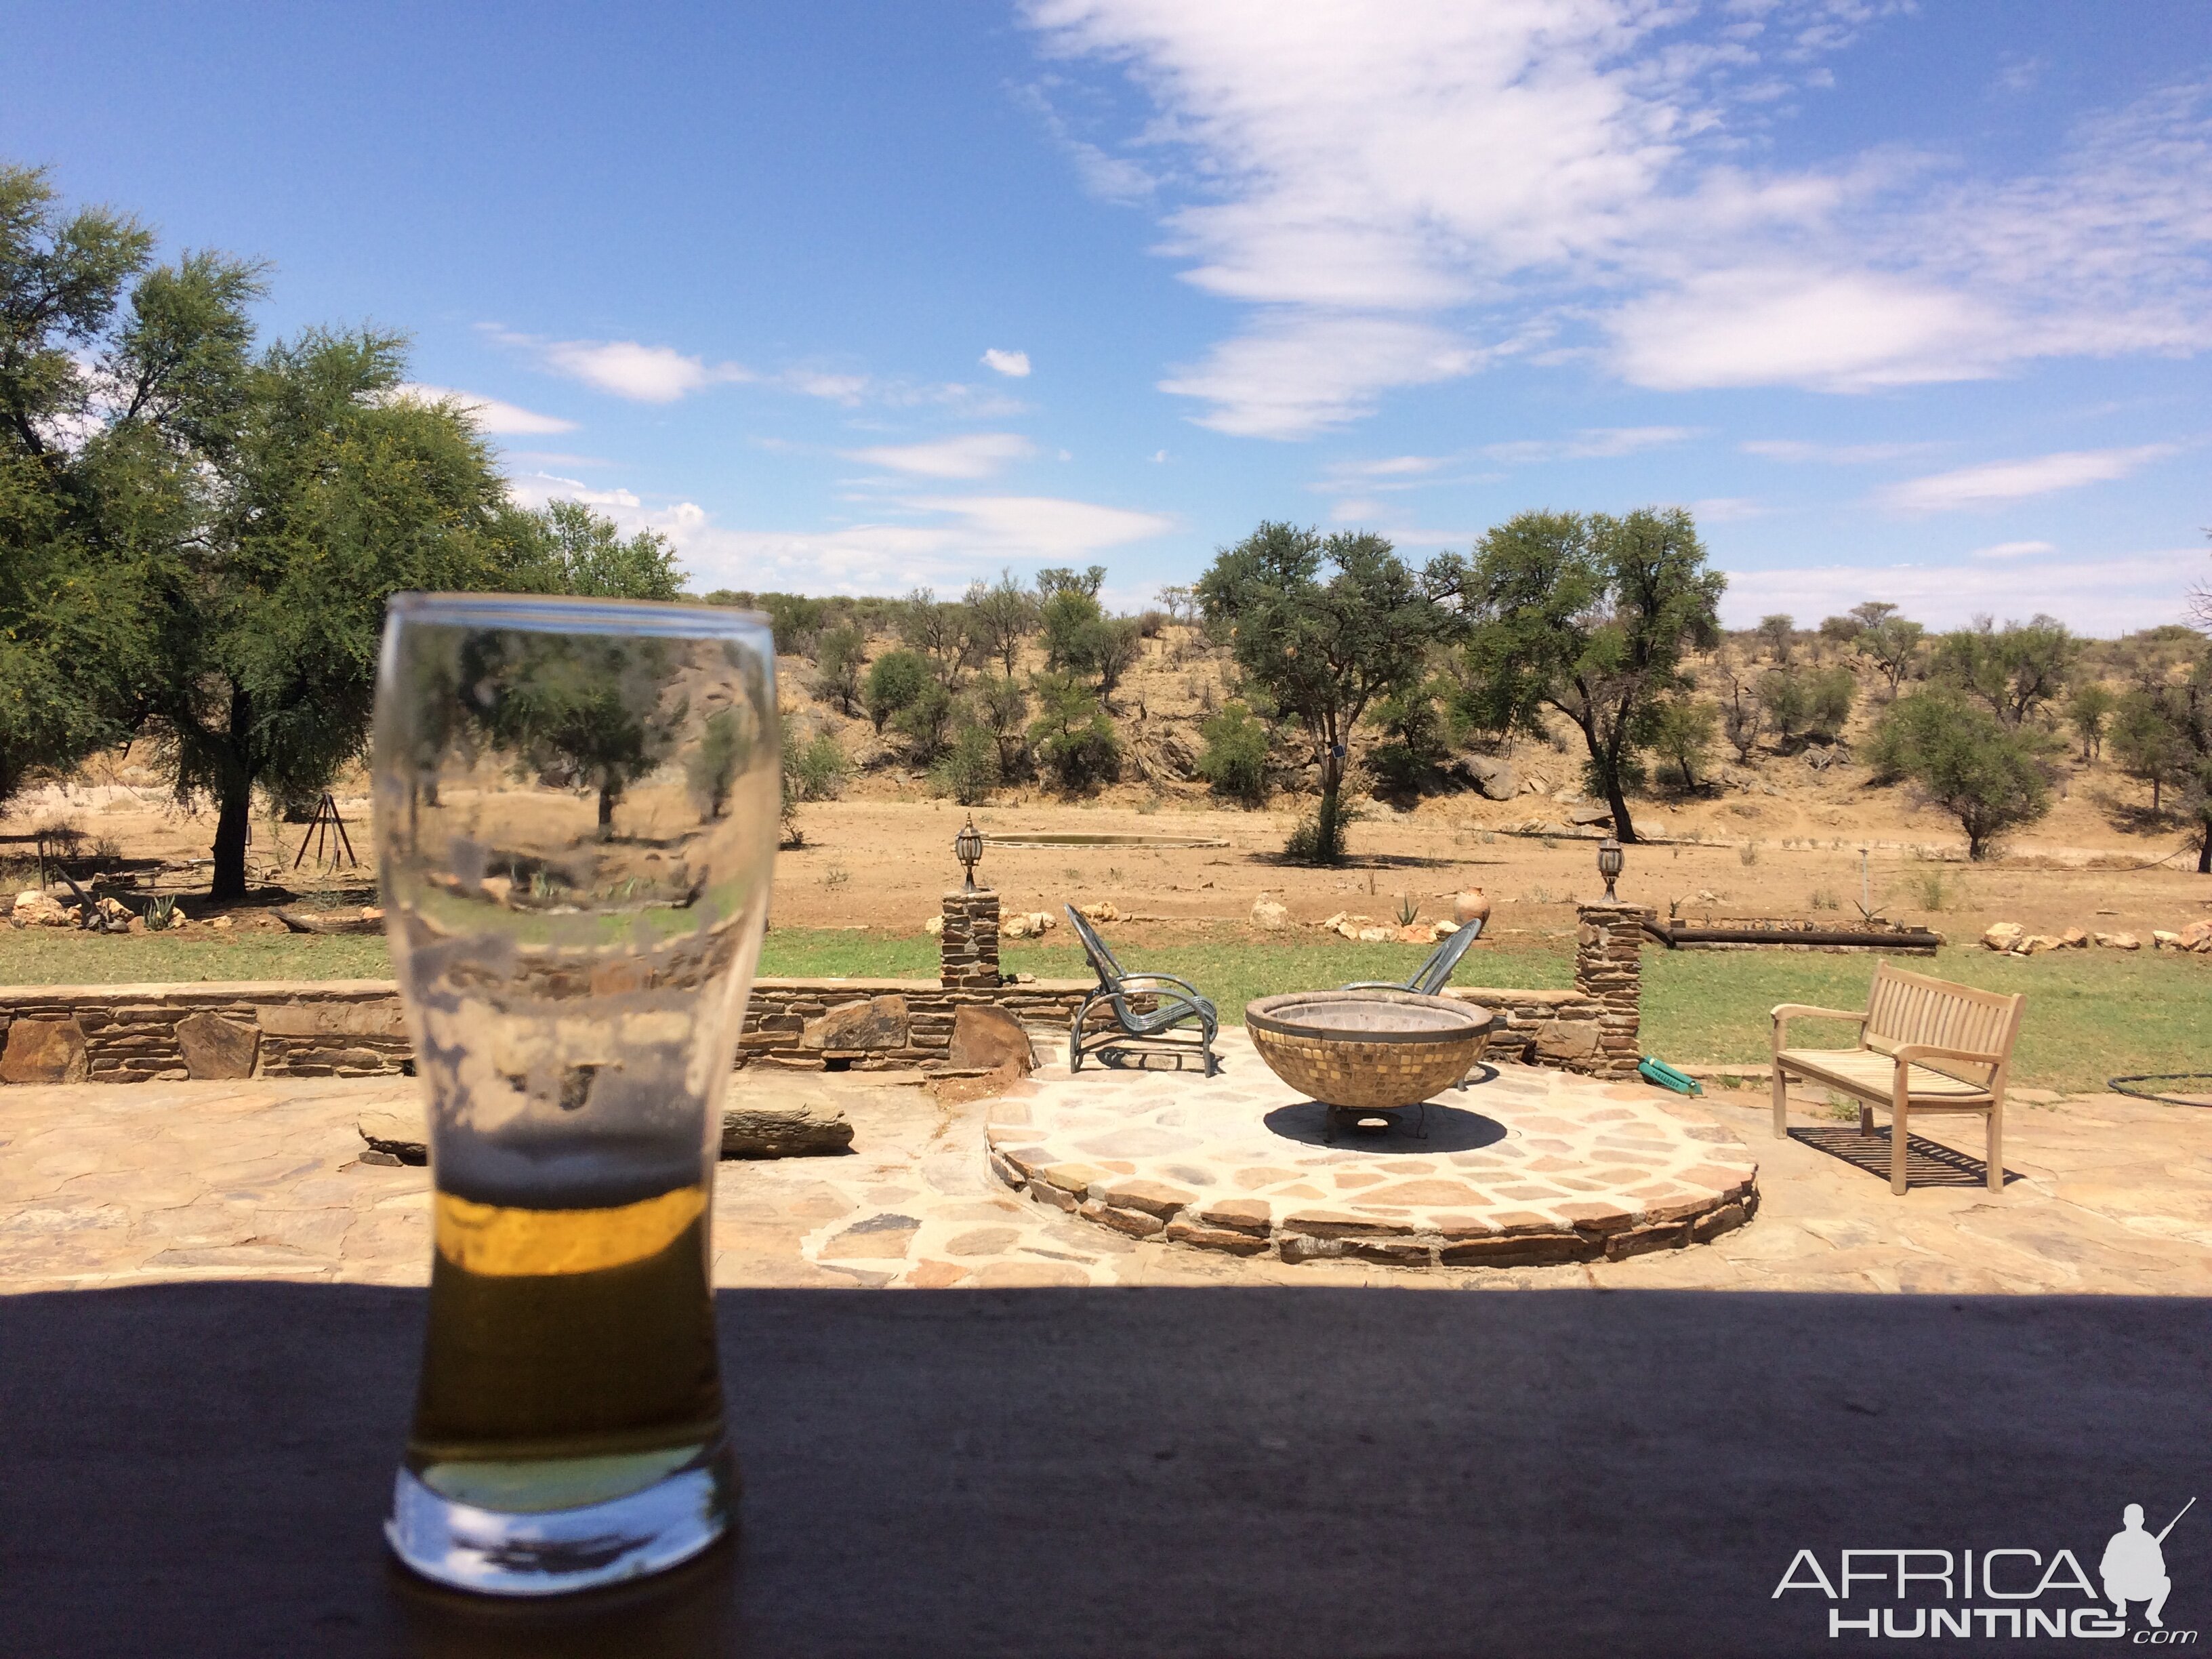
<point x="880" y="858"/>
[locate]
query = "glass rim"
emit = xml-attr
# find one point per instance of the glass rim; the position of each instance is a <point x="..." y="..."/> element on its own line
<point x="558" y="613"/>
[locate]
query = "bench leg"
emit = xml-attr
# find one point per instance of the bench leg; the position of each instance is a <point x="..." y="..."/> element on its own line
<point x="1781" y="1105"/>
<point x="1901" y="1138"/>
<point x="1866" y="1118"/>
<point x="1994" y="1155"/>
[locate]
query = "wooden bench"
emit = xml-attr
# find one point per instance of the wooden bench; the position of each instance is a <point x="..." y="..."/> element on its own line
<point x="1925" y="1045"/>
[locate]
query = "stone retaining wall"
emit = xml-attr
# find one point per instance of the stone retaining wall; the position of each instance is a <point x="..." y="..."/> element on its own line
<point x="354" y="1028"/>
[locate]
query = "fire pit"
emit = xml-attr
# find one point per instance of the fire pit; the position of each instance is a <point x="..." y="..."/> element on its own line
<point x="1367" y="1051"/>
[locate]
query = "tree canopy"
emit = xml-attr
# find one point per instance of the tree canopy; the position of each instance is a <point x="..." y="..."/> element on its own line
<point x="1591" y="616"/>
<point x="1327" y="626"/>
<point x="198" y="536"/>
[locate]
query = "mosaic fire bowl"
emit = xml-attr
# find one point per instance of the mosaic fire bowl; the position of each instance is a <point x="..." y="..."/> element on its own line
<point x="1367" y="1051"/>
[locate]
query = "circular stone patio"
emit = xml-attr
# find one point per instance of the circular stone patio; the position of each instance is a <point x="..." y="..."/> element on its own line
<point x="1522" y="1167"/>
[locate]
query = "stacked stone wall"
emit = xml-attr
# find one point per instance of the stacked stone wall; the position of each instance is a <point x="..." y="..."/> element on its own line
<point x="968" y="949"/>
<point x="355" y="1028"/>
<point x="1609" y="971"/>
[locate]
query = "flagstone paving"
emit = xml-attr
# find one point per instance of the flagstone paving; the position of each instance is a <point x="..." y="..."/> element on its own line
<point x="108" y="1185"/>
<point x="1520" y="1167"/>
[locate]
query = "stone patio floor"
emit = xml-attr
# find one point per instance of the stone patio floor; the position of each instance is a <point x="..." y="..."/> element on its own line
<point x="109" y="1185"/>
<point x="1521" y="1166"/>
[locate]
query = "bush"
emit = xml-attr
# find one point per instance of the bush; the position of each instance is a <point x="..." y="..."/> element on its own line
<point x="1964" y="759"/>
<point x="838" y="655"/>
<point x="1683" y="730"/>
<point x="926" y="721"/>
<point x="1319" y="839"/>
<point x="1073" y="739"/>
<point x="819" y="769"/>
<point x="1234" y="760"/>
<point x="1808" y="702"/>
<point x="712" y="767"/>
<point x="968" y="771"/>
<point x="1004" y="708"/>
<point x="895" y="680"/>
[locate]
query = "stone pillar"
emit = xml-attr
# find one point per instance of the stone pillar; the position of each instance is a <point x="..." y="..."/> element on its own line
<point x="968" y="950"/>
<point x="1609" y="970"/>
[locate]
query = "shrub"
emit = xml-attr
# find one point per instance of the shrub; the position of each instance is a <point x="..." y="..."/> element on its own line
<point x="838" y="655"/>
<point x="1683" y="730"/>
<point x="819" y="769"/>
<point x="926" y="721"/>
<point x="1962" y="757"/>
<point x="1003" y="707"/>
<point x="1234" y="760"/>
<point x="712" y="767"/>
<point x="895" y="680"/>
<point x="1320" y="838"/>
<point x="968" y="770"/>
<point x="1073" y="739"/>
<point x="1808" y="703"/>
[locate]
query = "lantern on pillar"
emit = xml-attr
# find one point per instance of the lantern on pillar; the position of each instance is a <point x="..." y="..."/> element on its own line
<point x="1609" y="864"/>
<point x="968" y="847"/>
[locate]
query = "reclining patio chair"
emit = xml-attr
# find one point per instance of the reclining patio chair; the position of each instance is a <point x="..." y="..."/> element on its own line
<point x="1434" y="974"/>
<point x="1175" y="1005"/>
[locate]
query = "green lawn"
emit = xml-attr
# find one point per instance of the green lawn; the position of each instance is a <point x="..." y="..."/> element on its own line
<point x="2090" y="1014"/>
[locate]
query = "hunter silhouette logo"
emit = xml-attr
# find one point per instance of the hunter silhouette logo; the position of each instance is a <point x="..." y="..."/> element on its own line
<point x="2011" y="1593"/>
<point x="2134" y="1567"/>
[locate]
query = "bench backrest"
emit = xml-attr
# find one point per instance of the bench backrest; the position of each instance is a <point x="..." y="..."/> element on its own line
<point x="1905" y="1007"/>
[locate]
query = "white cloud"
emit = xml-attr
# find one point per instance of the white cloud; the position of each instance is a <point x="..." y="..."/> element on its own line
<point x="1295" y="374"/>
<point x="1475" y="177"/>
<point x="1726" y="509"/>
<point x="1996" y="481"/>
<point x="1014" y="363"/>
<point x="2014" y="550"/>
<point x="1804" y="325"/>
<point x="2103" y="596"/>
<point x="1159" y="457"/>
<point x="976" y="455"/>
<point x="1592" y="443"/>
<point x="940" y="541"/>
<point x="642" y="373"/>
<point x="493" y="415"/>
<point x="536" y="489"/>
<point x="1791" y="449"/>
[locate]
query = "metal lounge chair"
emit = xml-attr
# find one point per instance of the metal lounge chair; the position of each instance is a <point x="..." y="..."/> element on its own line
<point x="1434" y="974"/>
<point x="1175" y="1005"/>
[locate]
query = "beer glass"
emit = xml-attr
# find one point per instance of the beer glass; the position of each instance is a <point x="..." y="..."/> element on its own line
<point x="577" y="807"/>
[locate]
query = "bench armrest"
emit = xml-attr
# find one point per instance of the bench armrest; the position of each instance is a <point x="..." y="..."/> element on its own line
<point x="1783" y="1013"/>
<point x="1911" y="1053"/>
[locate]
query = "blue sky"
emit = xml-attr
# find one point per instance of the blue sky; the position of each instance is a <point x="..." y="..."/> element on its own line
<point x="1907" y="302"/>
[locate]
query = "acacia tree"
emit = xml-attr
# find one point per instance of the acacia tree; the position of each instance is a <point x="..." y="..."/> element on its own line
<point x="2016" y="669"/>
<point x="1962" y="758"/>
<point x="71" y="639"/>
<point x="1002" y="614"/>
<point x="1591" y="617"/>
<point x="1889" y="641"/>
<point x="1325" y="645"/>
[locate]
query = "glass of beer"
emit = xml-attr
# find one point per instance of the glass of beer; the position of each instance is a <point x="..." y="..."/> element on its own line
<point x="576" y="804"/>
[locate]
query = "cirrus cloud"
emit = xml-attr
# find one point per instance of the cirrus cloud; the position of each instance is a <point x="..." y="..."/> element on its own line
<point x="1581" y="179"/>
<point x="1995" y="483"/>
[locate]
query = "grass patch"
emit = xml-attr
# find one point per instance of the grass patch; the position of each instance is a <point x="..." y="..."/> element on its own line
<point x="2090" y="1015"/>
<point x="1230" y="973"/>
<point x="62" y="956"/>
